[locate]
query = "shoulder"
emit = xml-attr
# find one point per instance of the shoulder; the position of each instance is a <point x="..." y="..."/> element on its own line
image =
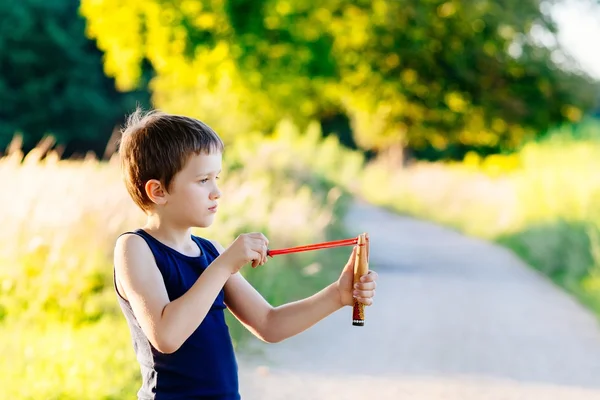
<point x="220" y="249"/>
<point x="130" y="241"/>
<point x="217" y="245"/>
<point x="134" y="263"/>
<point x="129" y="247"/>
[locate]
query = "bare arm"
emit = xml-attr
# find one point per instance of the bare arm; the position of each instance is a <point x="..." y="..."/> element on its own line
<point x="276" y="324"/>
<point x="293" y="318"/>
<point x="167" y="324"/>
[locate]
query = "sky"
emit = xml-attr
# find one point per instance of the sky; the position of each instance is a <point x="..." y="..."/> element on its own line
<point x="579" y="32"/>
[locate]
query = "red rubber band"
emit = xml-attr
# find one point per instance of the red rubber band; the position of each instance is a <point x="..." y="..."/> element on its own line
<point x="316" y="246"/>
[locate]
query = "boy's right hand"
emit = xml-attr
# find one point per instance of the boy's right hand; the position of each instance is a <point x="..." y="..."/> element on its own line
<point x="247" y="247"/>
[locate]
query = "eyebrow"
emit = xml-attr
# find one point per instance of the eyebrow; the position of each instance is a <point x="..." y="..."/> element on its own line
<point x="208" y="173"/>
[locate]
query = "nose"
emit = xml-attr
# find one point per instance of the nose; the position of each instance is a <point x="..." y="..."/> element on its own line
<point x="215" y="193"/>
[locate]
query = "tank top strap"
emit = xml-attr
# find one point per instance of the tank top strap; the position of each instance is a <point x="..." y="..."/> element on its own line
<point x="144" y="235"/>
<point x="161" y="250"/>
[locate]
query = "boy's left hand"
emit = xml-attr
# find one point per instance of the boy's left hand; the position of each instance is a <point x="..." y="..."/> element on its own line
<point x="365" y="290"/>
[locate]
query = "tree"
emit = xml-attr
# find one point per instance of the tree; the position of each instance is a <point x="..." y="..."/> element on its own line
<point x="52" y="79"/>
<point x="440" y="77"/>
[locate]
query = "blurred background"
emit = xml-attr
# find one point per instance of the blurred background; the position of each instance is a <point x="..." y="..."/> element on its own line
<point x="483" y="116"/>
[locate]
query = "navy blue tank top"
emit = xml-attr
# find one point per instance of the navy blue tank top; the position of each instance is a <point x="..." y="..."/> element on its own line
<point x="204" y="367"/>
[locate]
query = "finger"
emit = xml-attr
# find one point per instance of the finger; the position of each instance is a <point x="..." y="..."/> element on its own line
<point x="264" y="254"/>
<point x="258" y="243"/>
<point x="260" y="247"/>
<point x="256" y="259"/>
<point x="352" y="258"/>
<point x="365" y="294"/>
<point x="371" y="276"/>
<point x="265" y="239"/>
<point x="366" y="286"/>
<point x="260" y="236"/>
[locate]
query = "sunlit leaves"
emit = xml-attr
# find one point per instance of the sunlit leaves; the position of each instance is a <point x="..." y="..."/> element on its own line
<point x="406" y="72"/>
<point x="116" y="27"/>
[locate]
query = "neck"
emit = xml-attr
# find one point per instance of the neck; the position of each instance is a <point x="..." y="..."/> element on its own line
<point x="171" y="234"/>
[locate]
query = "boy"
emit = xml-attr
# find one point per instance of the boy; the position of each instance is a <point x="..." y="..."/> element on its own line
<point x="173" y="286"/>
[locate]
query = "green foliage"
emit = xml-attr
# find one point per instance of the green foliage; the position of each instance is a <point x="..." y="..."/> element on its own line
<point x="560" y="249"/>
<point x="568" y="252"/>
<point x="51" y="78"/>
<point x="440" y="77"/>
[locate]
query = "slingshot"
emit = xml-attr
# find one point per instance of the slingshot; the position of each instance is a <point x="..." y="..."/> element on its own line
<point x="361" y="264"/>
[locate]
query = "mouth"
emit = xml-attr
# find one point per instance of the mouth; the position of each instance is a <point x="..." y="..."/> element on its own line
<point x="213" y="208"/>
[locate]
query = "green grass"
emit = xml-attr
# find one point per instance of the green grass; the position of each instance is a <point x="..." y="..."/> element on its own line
<point x="61" y="361"/>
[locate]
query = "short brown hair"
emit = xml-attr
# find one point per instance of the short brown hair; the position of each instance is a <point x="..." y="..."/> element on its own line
<point x="156" y="145"/>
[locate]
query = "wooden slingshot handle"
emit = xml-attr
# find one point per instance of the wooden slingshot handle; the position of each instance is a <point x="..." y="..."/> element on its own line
<point x="361" y="267"/>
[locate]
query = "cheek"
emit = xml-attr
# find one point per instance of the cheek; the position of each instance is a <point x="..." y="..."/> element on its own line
<point x="186" y="196"/>
<point x="197" y="194"/>
<point x="193" y="195"/>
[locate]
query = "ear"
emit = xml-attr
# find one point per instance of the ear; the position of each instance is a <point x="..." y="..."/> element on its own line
<point x="156" y="192"/>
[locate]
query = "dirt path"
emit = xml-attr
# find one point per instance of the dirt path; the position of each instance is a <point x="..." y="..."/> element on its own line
<point x="455" y="319"/>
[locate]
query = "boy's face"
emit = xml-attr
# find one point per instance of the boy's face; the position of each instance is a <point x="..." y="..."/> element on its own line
<point x="193" y="195"/>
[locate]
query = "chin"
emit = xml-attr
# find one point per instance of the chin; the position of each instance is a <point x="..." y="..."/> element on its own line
<point x="204" y="223"/>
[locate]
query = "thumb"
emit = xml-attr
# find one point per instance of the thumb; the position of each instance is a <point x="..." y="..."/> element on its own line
<point x="351" y="260"/>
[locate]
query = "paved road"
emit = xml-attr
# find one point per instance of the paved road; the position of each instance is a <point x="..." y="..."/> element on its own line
<point x="455" y="319"/>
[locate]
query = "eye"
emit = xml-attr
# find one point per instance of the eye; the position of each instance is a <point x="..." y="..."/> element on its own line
<point x="203" y="180"/>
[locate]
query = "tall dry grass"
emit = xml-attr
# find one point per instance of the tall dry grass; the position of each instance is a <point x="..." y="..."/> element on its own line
<point x="61" y="329"/>
<point x="57" y="308"/>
